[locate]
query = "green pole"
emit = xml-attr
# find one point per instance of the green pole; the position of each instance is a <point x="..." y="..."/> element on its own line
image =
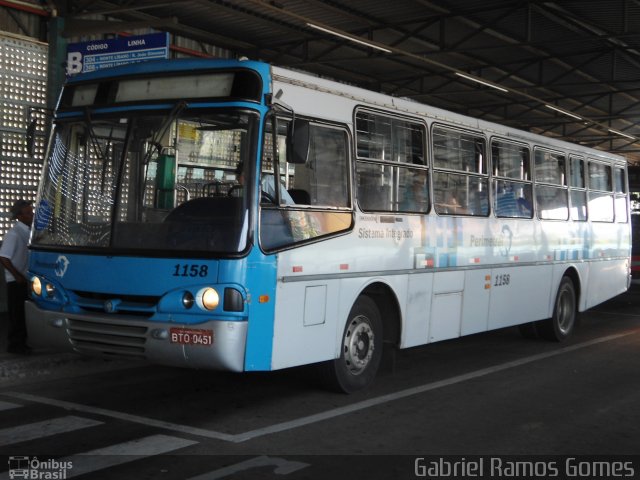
<point x="56" y="61"/>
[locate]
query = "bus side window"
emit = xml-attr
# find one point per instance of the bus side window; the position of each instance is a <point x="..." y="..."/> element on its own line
<point x="448" y="200"/>
<point x="414" y="196"/>
<point x="552" y="203"/>
<point x="460" y="194"/>
<point x="323" y="183"/>
<point x="391" y="172"/>
<point x="322" y="180"/>
<point x="374" y="187"/>
<point x="460" y="166"/>
<point x="506" y="205"/>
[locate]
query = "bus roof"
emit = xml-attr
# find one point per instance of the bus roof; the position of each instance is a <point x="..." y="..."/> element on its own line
<point x="355" y="95"/>
<point x="400" y="105"/>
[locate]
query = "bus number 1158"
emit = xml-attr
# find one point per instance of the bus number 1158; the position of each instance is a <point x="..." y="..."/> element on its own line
<point x="190" y="270"/>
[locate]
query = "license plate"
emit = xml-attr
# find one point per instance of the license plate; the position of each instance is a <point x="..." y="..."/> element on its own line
<point x="191" y="336"/>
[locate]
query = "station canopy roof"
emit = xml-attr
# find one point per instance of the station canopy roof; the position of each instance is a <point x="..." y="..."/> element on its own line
<point x="567" y="69"/>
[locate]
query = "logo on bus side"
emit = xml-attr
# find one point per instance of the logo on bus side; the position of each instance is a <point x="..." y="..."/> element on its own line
<point x="507" y="236"/>
<point x="62" y="263"/>
<point x="502" y="242"/>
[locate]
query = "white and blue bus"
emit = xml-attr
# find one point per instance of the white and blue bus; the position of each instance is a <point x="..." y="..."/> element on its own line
<point x="233" y="215"/>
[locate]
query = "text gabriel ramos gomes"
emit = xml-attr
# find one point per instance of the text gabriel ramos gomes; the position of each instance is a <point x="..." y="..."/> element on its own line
<point x="498" y="467"/>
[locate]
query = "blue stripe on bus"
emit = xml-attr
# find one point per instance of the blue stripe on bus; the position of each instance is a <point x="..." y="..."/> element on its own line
<point x="119" y="274"/>
<point x="261" y="281"/>
<point x="163" y="106"/>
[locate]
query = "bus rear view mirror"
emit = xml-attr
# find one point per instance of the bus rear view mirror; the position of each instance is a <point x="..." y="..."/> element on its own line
<point x="298" y="149"/>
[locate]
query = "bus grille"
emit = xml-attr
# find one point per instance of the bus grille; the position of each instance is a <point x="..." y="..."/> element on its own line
<point x="139" y="305"/>
<point x="107" y="339"/>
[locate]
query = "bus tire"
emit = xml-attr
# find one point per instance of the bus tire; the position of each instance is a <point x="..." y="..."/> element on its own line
<point x="360" y="350"/>
<point x="561" y="324"/>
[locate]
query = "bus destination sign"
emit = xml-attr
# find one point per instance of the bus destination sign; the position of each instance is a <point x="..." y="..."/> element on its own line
<point x="98" y="54"/>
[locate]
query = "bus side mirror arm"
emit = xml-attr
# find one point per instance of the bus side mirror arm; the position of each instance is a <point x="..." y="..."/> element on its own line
<point x="30" y="135"/>
<point x="298" y="148"/>
<point x="298" y="134"/>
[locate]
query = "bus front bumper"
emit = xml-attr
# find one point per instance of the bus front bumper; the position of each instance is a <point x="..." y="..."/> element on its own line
<point x="218" y="345"/>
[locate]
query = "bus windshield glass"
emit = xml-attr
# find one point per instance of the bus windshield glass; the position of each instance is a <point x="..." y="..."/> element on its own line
<point x="148" y="183"/>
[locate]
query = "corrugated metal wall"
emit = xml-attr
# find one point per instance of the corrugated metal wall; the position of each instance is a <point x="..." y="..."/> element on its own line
<point x="23" y="79"/>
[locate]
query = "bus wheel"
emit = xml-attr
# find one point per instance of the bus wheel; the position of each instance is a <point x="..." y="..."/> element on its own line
<point x="360" y="349"/>
<point x="561" y="325"/>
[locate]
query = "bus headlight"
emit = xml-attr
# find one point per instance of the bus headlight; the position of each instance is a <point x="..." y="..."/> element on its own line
<point x="49" y="290"/>
<point x="208" y="298"/>
<point x="36" y="286"/>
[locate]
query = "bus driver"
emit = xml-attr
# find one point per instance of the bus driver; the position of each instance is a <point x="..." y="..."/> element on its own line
<point x="267" y="184"/>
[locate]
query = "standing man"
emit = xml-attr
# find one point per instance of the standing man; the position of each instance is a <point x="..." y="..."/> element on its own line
<point x="14" y="256"/>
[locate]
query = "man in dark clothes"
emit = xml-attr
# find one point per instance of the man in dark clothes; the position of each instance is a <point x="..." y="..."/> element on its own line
<point x="14" y="257"/>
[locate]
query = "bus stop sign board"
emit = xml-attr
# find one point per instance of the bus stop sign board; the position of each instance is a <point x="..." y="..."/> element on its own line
<point x="98" y="54"/>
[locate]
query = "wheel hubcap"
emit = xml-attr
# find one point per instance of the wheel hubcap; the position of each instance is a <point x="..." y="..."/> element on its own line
<point x="565" y="311"/>
<point x="358" y="345"/>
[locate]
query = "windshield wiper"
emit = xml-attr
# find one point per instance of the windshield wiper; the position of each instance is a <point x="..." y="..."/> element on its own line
<point x="97" y="148"/>
<point x="160" y="132"/>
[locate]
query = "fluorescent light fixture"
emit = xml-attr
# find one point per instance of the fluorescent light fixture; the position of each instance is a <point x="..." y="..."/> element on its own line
<point x="477" y="80"/>
<point x="349" y="37"/>
<point x="623" y="134"/>
<point x="564" y="112"/>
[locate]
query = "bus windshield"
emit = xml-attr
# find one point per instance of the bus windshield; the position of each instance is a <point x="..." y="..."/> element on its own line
<point x="148" y="182"/>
